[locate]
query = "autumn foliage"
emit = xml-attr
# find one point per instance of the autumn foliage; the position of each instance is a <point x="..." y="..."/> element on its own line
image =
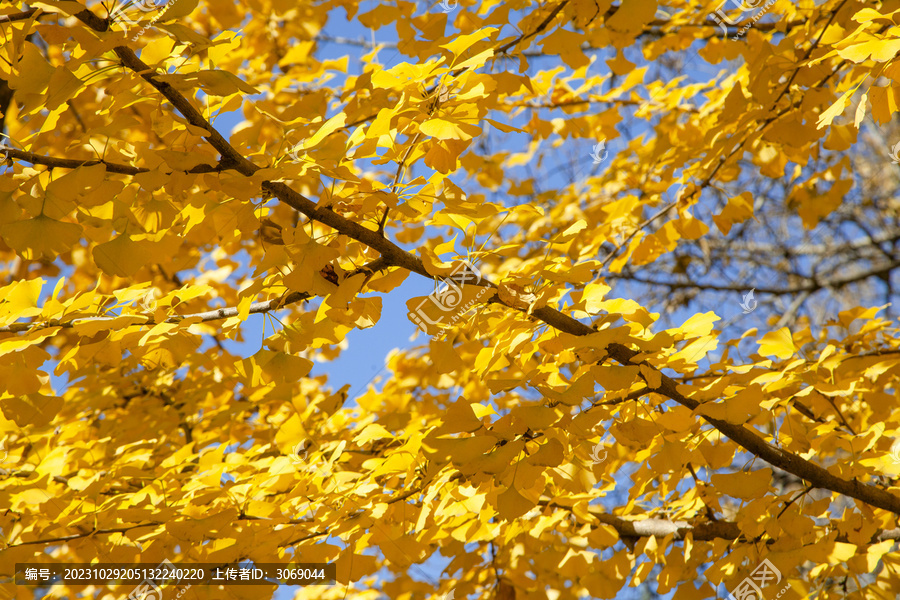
<point x="593" y="405"/>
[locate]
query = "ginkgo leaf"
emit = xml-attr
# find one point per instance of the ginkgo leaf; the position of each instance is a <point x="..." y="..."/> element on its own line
<point x="157" y="50"/>
<point x="311" y="258"/>
<point x="737" y="409"/>
<point x="461" y="43"/>
<point x="448" y="128"/>
<point x="193" y="363"/>
<point x="461" y="451"/>
<point x="550" y="454"/>
<point x="504" y="127"/>
<point x="327" y="128"/>
<point x="443" y="155"/>
<point x="458" y="418"/>
<point x="31" y="409"/>
<point x="877" y="50"/>
<point x="778" y="343"/>
<point x="698" y="325"/>
<point x="40" y="237"/>
<point x="442" y="309"/>
<point x="223" y="83"/>
<point x="836" y="109"/>
<point x="124" y="254"/>
<point x="372" y="431"/>
<point x="476" y="61"/>
<point x="634" y="16"/>
<point x="568" y="45"/>
<point x="178" y="10"/>
<point x="268" y="366"/>
<point x="744" y="485"/>
<point x="570" y="232"/>
<point x="33" y="72"/>
<point x="512" y="505"/>
<point x="445" y="358"/>
<point x="19" y="300"/>
<point x="737" y="210"/>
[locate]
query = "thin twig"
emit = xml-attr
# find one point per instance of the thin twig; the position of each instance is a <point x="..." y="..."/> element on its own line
<point x="74" y="163"/>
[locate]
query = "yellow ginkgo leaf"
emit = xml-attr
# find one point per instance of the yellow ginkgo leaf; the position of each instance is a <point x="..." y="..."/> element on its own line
<point x="778" y="343"/>
<point x="372" y="431"/>
<point x="32" y="73"/>
<point x="447" y="128"/>
<point x="443" y="155"/>
<point x="31" y="409"/>
<point x="125" y="254"/>
<point x="40" y="237"/>
<point x="631" y="16"/>
<point x="877" y="50"/>
<point x="738" y="210"/>
<point x="512" y="505"/>
<point x="223" y="83"/>
<point x="743" y="485"/>
<point x="177" y="9"/>
<point x="461" y="43"/>
<point x="19" y="300"/>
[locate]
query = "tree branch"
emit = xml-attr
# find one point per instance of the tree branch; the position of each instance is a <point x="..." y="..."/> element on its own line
<point x="540" y="28"/>
<point x="216" y="314"/>
<point x="209" y="315"/>
<point x="20" y="16"/>
<point x="74" y="163"/>
<point x="699" y="530"/>
<point x="396" y="256"/>
<point x="812" y="286"/>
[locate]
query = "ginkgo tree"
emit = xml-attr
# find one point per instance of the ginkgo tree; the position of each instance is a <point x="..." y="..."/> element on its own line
<point x="577" y="417"/>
